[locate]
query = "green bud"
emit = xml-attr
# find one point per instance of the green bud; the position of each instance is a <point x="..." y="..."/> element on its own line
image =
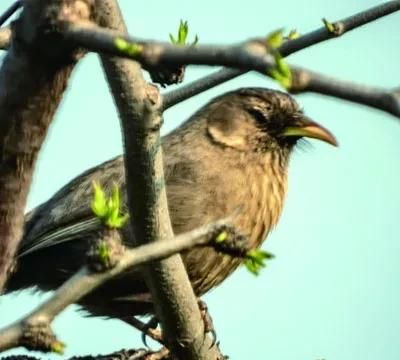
<point x="223" y="236"/>
<point x="329" y="26"/>
<point x="275" y="38"/>
<point x="128" y="48"/>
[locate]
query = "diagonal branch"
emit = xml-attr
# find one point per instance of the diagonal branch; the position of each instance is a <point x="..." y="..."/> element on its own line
<point x="340" y="27"/>
<point x="10" y="11"/>
<point x="312" y="38"/>
<point x="85" y="281"/>
<point x="378" y="98"/>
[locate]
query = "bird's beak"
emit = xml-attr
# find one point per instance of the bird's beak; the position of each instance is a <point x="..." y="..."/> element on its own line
<point x="305" y="127"/>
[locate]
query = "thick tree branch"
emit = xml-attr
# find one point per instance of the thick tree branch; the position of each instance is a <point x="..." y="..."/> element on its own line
<point x="84" y="281"/>
<point x="246" y="56"/>
<point x="139" y="107"/>
<point x="32" y="81"/>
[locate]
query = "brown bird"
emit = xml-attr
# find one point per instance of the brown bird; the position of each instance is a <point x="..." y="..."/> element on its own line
<point x="233" y="152"/>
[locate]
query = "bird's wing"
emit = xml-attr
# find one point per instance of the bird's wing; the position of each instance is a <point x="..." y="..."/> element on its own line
<point x="68" y="214"/>
<point x="61" y="235"/>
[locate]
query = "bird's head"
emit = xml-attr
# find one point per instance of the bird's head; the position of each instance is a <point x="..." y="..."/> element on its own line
<point x="260" y="120"/>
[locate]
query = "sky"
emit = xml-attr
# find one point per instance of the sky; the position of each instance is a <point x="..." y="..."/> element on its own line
<point x="332" y="292"/>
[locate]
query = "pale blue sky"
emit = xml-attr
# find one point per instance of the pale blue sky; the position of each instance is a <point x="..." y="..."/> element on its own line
<point x="333" y="291"/>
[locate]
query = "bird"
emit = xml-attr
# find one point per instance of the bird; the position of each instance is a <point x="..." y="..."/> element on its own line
<point x="233" y="152"/>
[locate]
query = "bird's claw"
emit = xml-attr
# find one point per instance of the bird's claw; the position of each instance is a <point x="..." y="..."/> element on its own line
<point x="150" y="328"/>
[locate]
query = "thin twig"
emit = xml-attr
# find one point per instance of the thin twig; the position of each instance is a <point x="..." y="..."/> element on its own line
<point x="341" y="26"/>
<point x="312" y="38"/>
<point x="378" y="98"/>
<point x="10" y="11"/>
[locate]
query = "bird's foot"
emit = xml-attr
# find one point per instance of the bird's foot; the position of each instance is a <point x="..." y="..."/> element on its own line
<point x="147" y="329"/>
<point x="208" y="323"/>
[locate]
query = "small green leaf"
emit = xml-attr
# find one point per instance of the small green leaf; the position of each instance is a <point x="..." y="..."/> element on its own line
<point x="121" y="44"/>
<point x="115" y="196"/>
<point x="329" y="26"/>
<point x="99" y="203"/>
<point x="275" y="38"/>
<point x="281" y="72"/>
<point x="183" y="32"/>
<point x="223" y="236"/>
<point x="172" y="39"/>
<point x="108" y="210"/>
<point x="57" y="347"/>
<point x="103" y="252"/>
<point x="255" y="260"/>
<point x="283" y="67"/>
<point x="293" y="34"/>
<point x="196" y="40"/>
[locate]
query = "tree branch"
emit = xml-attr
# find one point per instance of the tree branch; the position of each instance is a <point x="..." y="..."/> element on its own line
<point x="250" y="55"/>
<point x="312" y="38"/>
<point x="341" y="27"/>
<point x="378" y="98"/>
<point x="139" y="107"/>
<point x="37" y="323"/>
<point x="152" y="54"/>
<point x="32" y="81"/>
<point x="253" y="54"/>
<point x="10" y="11"/>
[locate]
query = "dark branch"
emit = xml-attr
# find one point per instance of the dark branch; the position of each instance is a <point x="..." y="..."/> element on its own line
<point x="185" y="92"/>
<point x="378" y="98"/>
<point x="10" y="11"/>
<point x="341" y="26"/>
<point x="196" y="87"/>
<point x="247" y="56"/>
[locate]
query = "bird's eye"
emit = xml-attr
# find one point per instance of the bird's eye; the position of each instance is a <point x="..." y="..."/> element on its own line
<point x="261" y="115"/>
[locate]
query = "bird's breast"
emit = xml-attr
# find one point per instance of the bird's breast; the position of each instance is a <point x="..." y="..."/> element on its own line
<point x="258" y="189"/>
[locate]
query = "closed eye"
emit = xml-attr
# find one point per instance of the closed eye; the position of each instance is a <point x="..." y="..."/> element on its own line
<point x="260" y="115"/>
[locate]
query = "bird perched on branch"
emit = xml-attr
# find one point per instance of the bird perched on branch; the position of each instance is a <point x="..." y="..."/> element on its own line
<point x="234" y="152"/>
